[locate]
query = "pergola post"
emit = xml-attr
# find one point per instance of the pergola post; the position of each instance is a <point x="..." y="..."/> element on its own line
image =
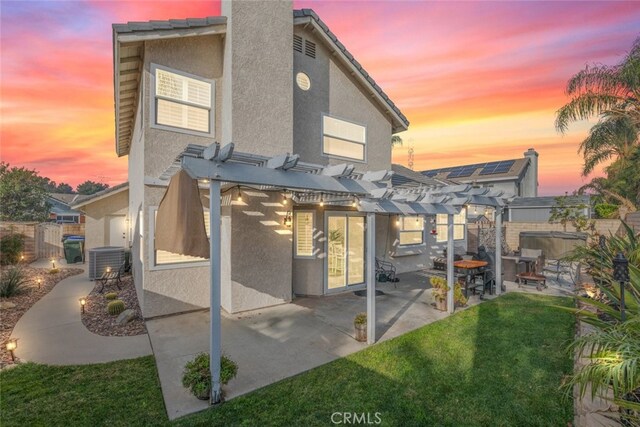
<point x="450" y="270"/>
<point x="215" y="352"/>
<point x="498" y="261"/>
<point x="371" y="278"/>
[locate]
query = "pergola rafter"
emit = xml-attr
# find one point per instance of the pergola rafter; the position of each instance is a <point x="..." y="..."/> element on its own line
<point x="339" y="185"/>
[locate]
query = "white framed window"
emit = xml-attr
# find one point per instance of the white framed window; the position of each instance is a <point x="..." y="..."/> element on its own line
<point x="459" y="223"/>
<point x="411" y="230"/>
<point x="164" y="259"/>
<point x="182" y="102"/>
<point x="75" y="219"/>
<point x="303" y="228"/>
<point x="344" y="139"/>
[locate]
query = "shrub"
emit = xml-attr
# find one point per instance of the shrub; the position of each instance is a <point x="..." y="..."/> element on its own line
<point x="54" y="271"/>
<point x="110" y="296"/>
<point x="11" y="247"/>
<point x="606" y="210"/>
<point x="440" y="287"/>
<point x="12" y="282"/>
<point x="197" y="376"/>
<point x="115" y="307"/>
<point x="361" y="319"/>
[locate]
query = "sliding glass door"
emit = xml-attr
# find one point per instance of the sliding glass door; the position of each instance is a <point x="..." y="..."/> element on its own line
<point x="345" y="250"/>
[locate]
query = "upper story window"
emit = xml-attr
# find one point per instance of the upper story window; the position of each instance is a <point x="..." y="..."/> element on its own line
<point x="411" y="230"/>
<point x="343" y="139"/>
<point x="182" y="102"/>
<point x="459" y="222"/>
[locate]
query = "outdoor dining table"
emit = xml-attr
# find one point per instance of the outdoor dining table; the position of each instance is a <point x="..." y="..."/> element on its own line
<point x="470" y="267"/>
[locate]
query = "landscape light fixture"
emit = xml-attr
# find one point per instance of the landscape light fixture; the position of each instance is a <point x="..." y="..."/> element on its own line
<point x="53" y="263"/>
<point x="108" y="269"/>
<point x="39" y="282"/>
<point x="83" y="302"/>
<point x="288" y="220"/>
<point x="621" y="275"/>
<point x="21" y="257"/>
<point x="11" y="345"/>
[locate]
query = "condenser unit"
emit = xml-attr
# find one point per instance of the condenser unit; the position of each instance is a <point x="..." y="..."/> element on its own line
<point x="102" y="258"/>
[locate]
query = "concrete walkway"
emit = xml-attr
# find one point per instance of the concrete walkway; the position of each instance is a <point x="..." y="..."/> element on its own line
<point x="51" y="331"/>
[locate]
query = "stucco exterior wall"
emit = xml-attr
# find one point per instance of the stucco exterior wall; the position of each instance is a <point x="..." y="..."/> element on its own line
<point x="200" y="56"/>
<point x="334" y="92"/>
<point x="97" y="215"/>
<point x="260" y="253"/>
<point x="258" y="107"/>
<point x="136" y="200"/>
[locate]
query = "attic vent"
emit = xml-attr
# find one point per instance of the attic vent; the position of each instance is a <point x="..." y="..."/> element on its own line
<point x="309" y="49"/>
<point x="297" y="43"/>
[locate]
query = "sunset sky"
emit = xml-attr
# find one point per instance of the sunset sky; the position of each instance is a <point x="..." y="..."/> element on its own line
<point x="479" y="81"/>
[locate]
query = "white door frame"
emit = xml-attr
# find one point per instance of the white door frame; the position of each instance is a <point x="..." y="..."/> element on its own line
<point x="325" y="267"/>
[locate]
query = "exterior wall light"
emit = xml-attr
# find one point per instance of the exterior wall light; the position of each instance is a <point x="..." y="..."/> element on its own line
<point x="11" y="345"/>
<point x="288" y="220"/>
<point x="621" y="275"/>
<point x="284" y="199"/>
<point x="83" y="302"/>
<point x="354" y="204"/>
<point x="398" y="220"/>
<point x="321" y="200"/>
<point x="239" y="195"/>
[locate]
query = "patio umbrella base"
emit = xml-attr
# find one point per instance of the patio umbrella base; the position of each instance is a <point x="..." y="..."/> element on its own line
<point x="363" y="293"/>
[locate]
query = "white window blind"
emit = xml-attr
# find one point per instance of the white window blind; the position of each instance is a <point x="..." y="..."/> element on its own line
<point x="343" y="139"/>
<point x="459" y="222"/>
<point x="164" y="257"/>
<point x="304" y="234"/>
<point x="183" y="102"/>
<point x="411" y="230"/>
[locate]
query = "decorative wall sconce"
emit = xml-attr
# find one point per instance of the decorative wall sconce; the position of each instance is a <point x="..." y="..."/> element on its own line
<point x="288" y="220"/>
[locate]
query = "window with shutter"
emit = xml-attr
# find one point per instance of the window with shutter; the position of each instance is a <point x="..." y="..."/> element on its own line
<point x="182" y="102"/>
<point x="303" y="230"/>
<point x="343" y="139"/>
<point x="411" y="230"/>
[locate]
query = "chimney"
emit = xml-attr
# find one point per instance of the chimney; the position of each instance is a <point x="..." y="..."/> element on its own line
<point x="530" y="184"/>
<point x="257" y="82"/>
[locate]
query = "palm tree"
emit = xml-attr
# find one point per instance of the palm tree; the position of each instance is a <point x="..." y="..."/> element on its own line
<point x="613" y="137"/>
<point x="612" y="92"/>
<point x="396" y="141"/>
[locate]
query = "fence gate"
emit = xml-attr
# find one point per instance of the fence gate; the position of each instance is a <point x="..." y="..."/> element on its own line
<point x="49" y="241"/>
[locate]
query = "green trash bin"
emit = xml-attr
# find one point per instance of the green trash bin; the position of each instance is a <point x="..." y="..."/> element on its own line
<point x="73" y="251"/>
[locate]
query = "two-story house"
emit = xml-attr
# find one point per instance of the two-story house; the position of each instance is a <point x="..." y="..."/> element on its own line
<point x="272" y="81"/>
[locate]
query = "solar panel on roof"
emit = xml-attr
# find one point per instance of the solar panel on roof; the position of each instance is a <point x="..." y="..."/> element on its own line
<point x="431" y="174"/>
<point x="493" y="168"/>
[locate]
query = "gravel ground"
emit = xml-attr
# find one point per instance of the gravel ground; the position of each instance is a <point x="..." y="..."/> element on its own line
<point x="23" y="301"/>
<point x="99" y="321"/>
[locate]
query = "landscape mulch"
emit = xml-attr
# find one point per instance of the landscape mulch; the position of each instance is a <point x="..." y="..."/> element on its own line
<point x="99" y="321"/>
<point x="24" y="300"/>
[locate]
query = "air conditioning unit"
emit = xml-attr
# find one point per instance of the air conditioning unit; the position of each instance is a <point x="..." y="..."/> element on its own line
<point x="102" y="258"/>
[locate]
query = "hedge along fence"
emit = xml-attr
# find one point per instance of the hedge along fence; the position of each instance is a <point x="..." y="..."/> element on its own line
<point x="41" y="244"/>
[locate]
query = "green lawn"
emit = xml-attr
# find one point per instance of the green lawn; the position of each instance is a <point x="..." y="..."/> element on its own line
<point x="499" y="363"/>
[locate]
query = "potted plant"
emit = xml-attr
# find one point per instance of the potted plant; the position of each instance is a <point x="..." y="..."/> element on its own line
<point x="197" y="376"/>
<point x="360" y="323"/>
<point x="439" y="292"/>
<point x="458" y="296"/>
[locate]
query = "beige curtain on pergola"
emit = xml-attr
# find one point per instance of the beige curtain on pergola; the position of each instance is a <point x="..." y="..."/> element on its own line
<point x="180" y="225"/>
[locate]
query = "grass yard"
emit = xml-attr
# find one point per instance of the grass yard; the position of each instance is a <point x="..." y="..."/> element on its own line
<point x="499" y="363"/>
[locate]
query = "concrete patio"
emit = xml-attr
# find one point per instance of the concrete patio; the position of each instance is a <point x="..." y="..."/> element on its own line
<point x="278" y="342"/>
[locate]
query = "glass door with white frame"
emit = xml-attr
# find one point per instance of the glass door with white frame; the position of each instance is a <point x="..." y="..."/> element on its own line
<point x="345" y="250"/>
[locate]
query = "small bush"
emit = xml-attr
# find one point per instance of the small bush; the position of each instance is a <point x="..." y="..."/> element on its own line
<point x="11" y="247"/>
<point x="12" y="282"/>
<point x="197" y="376"/>
<point x="110" y="296"/>
<point x="361" y="319"/>
<point x="606" y="210"/>
<point x="54" y="271"/>
<point x="115" y="307"/>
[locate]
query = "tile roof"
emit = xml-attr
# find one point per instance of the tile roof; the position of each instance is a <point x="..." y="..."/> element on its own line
<point x="547" y="201"/>
<point x="171" y="24"/>
<point x="404" y="176"/>
<point x="100" y="194"/>
<point x="313" y="15"/>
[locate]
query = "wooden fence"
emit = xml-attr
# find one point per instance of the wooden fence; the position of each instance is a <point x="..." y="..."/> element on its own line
<point x="41" y="240"/>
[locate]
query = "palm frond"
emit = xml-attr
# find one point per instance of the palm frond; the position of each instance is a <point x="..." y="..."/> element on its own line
<point x="584" y="106"/>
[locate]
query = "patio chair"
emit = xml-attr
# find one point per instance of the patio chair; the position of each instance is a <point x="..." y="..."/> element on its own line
<point x="386" y="272"/>
<point x="559" y="267"/>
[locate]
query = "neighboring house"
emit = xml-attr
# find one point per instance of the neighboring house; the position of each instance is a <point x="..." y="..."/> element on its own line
<point x="518" y="177"/>
<point x="61" y="211"/>
<point x="538" y="209"/>
<point x="106" y="217"/>
<point x="270" y="80"/>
